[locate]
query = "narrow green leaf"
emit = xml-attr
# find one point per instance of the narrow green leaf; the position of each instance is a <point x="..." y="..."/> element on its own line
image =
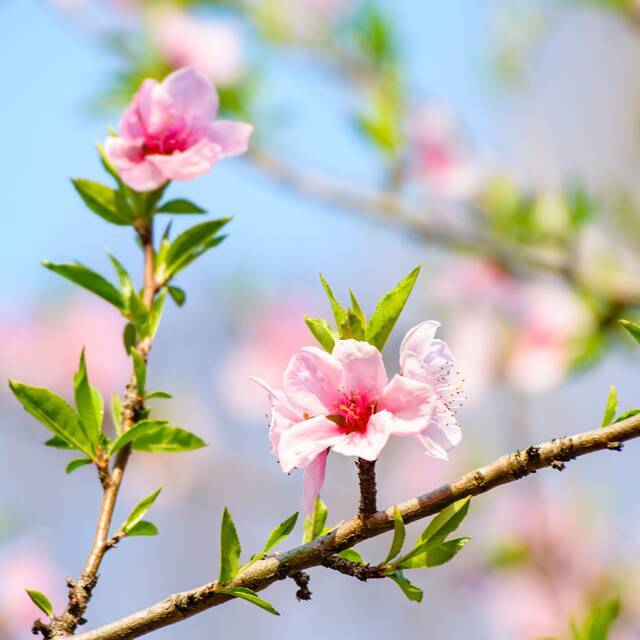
<point x="126" y="284"/>
<point x="229" y="549"/>
<point x="155" y="315"/>
<point x="143" y="528"/>
<point x="41" y="601"/>
<point x="53" y="412"/>
<point x="138" y="430"/>
<point x="314" y="524"/>
<point x="431" y="553"/>
<point x="180" y="205"/>
<point x="109" y="204"/>
<point x="446" y="522"/>
<point x="252" y="597"/>
<point x="178" y="295"/>
<point x="59" y="443"/>
<point x="610" y="408"/>
<point x="167" y="439"/>
<point x="88" y="403"/>
<point x="601" y="619"/>
<point x="190" y="242"/>
<point x="76" y="464"/>
<point x="140" y="369"/>
<point x="160" y="395"/>
<point x="139" y="315"/>
<point x="627" y="414"/>
<point x="321" y="332"/>
<point x="389" y="308"/>
<point x="90" y="280"/>
<point x="352" y="555"/>
<point x="357" y="310"/>
<point x="116" y="413"/>
<point x="139" y="512"/>
<point x="412" y="592"/>
<point x="399" y="534"/>
<point x="129" y="337"/>
<point x="339" y="313"/>
<point x="632" y="327"/>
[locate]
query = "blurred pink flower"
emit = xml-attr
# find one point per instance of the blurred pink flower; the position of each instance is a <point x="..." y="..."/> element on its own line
<point x="42" y="347"/>
<point x="438" y="155"/>
<point x="524" y="331"/>
<point x="168" y="132"/>
<point x="344" y="401"/>
<point x="562" y="567"/>
<point x="25" y="567"/>
<point x="213" y="48"/>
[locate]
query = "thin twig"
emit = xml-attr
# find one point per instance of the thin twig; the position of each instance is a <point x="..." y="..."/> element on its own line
<point x="261" y="574"/>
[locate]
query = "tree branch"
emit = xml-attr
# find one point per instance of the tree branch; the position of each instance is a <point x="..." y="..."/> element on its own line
<point x="133" y="407"/>
<point x="261" y="574"/>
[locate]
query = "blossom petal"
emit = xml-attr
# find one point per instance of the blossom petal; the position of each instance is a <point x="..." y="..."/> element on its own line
<point x="411" y="403"/>
<point x="192" y="95"/>
<point x="141" y="176"/>
<point x="367" y="444"/>
<point x="418" y="340"/>
<point x="434" y="367"/>
<point x="314" y="475"/>
<point x="312" y="381"/>
<point x="131" y="124"/>
<point x="443" y="433"/>
<point x="364" y="370"/>
<point x="185" y="165"/>
<point x="300" y="445"/>
<point x="231" y="136"/>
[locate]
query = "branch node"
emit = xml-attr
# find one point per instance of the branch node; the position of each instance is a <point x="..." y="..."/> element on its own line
<point x="558" y="465"/>
<point x="301" y="578"/>
<point x="615" y="446"/>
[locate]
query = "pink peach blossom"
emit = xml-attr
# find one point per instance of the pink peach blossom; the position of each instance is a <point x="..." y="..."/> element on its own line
<point x="211" y="47"/>
<point x="344" y="401"/>
<point x="168" y="132"/>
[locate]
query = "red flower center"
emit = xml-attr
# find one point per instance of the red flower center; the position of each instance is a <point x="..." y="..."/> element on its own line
<point x="177" y="138"/>
<point x="352" y="412"/>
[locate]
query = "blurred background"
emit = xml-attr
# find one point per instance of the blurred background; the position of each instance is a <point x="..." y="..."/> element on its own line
<point x="494" y="141"/>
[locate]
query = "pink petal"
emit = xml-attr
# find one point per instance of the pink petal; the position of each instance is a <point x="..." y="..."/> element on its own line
<point x="434" y="367"/>
<point x="232" y="137"/>
<point x="192" y="94"/>
<point x="185" y="165"/>
<point x="442" y="434"/>
<point x="143" y="176"/>
<point x="418" y="340"/>
<point x="123" y="153"/>
<point x="314" y="475"/>
<point x="363" y="367"/>
<point x="304" y="441"/>
<point x="131" y="125"/>
<point x="370" y="443"/>
<point x="312" y="380"/>
<point x="410" y="402"/>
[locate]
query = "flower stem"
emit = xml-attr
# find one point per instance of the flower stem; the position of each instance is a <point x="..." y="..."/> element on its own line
<point x="368" y="490"/>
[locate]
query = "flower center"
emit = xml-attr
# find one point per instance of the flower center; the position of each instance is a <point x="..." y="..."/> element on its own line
<point x="176" y="138"/>
<point x="352" y="412"/>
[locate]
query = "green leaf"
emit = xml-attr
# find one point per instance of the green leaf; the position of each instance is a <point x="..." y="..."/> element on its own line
<point x="446" y="522"/>
<point x="314" y="524"/>
<point x="143" y="528"/>
<point x="632" y="327"/>
<point x="155" y="315"/>
<point x="126" y="284"/>
<point x="138" y="430"/>
<point x="76" y="464"/>
<point x="357" y="310"/>
<point x="601" y="619"/>
<point x="160" y="395"/>
<point x="59" y="443"/>
<point x="178" y="295"/>
<point x="356" y="329"/>
<point x="431" y="553"/>
<point x="140" y="370"/>
<point x="90" y="280"/>
<point x="139" y="512"/>
<point x="610" y="408"/>
<point x="41" y="601"/>
<point x="139" y="315"/>
<point x="192" y="243"/>
<point x="339" y="313"/>
<point x="109" y="204"/>
<point x="321" y="332"/>
<point x="129" y="337"/>
<point x="53" y="412"/>
<point x="116" y="413"/>
<point x="89" y="403"/>
<point x="180" y="205"/>
<point x="167" y="439"/>
<point x="277" y="535"/>
<point x="627" y="414"/>
<point x="229" y="549"/>
<point x="399" y="534"/>
<point x="352" y="555"/>
<point x="252" y="597"/>
<point x="389" y="308"/>
<point x="411" y="591"/>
